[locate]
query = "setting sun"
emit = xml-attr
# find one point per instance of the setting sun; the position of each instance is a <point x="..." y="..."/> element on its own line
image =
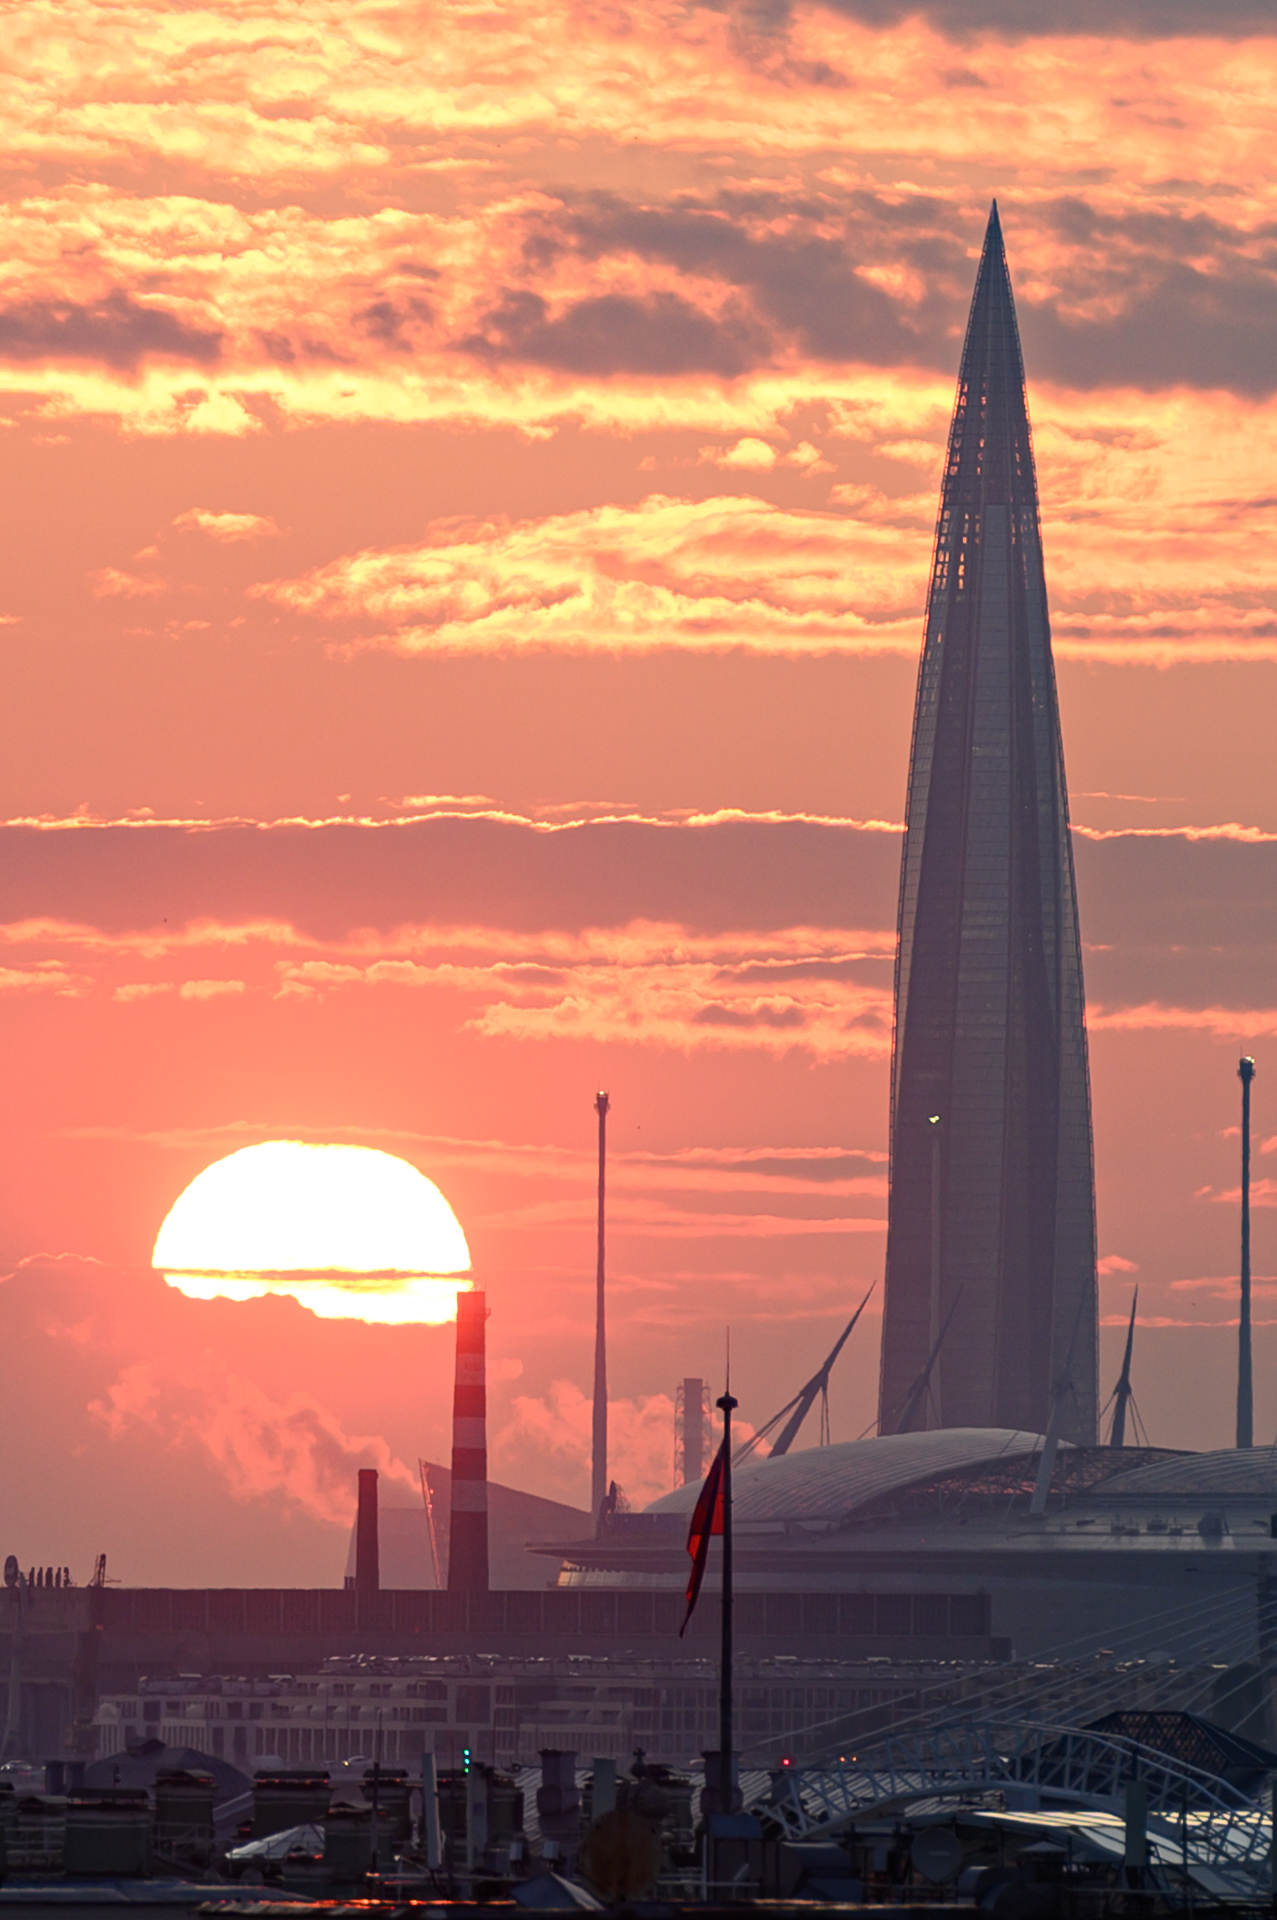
<point x="350" y="1232"/>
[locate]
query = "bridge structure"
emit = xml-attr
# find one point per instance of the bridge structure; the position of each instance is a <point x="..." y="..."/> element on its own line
<point x="1199" y="1828"/>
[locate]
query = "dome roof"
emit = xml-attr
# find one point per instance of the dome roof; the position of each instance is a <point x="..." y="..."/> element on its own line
<point x="826" y="1483"/>
<point x="1245" y="1472"/>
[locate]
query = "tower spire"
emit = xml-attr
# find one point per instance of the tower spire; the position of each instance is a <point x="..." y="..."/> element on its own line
<point x="992" y="1227"/>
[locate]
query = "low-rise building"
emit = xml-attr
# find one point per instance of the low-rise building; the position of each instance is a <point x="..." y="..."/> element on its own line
<point x="506" y="1710"/>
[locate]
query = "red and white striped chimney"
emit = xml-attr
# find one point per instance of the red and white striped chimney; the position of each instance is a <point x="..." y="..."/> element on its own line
<point x="468" y="1532"/>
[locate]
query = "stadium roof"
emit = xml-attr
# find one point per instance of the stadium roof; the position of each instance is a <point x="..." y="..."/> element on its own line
<point x="1246" y="1473"/>
<point x="957" y="1464"/>
<point x="826" y="1483"/>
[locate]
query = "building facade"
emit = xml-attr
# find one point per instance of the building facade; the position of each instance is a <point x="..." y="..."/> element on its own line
<point x="505" y="1711"/>
<point x="990" y="1306"/>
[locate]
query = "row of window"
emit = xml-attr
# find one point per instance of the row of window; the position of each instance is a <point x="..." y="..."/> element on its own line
<point x="670" y="1731"/>
<point x="557" y="1611"/>
<point x="472" y="1705"/>
<point x="175" y="1693"/>
<point x="283" y="1710"/>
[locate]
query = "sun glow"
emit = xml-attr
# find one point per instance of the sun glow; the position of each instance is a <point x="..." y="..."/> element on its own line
<point x="350" y="1232"/>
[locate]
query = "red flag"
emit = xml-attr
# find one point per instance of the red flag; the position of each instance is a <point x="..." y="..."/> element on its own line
<point x="707" y="1520"/>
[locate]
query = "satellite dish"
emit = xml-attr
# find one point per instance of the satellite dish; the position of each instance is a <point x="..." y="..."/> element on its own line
<point x="11" y="1575"/>
<point x="936" y="1854"/>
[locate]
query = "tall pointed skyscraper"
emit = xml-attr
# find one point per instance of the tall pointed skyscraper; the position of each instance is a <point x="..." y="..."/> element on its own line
<point x="991" y="1236"/>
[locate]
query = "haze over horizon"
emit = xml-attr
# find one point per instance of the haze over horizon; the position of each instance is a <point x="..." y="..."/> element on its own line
<point x="470" y="491"/>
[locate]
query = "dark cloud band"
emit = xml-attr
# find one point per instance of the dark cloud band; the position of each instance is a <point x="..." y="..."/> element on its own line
<point x="1024" y="19"/>
<point x="116" y="331"/>
<point x="1138" y="893"/>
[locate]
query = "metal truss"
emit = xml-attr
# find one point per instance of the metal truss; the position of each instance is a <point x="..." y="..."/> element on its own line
<point x="1193" y="1817"/>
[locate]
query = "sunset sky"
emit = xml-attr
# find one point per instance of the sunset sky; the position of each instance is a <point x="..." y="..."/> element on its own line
<point x="468" y="481"/>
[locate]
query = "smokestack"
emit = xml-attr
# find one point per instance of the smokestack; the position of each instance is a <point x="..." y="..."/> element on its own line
<point x="598" y="1476"/>
<point x="367" y="1552"/>
<point x="468" y="1532"/>
<point x="690" y="1421"/>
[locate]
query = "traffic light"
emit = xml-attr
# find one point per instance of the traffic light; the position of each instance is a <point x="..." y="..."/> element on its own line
<point x="465" y="1759"/>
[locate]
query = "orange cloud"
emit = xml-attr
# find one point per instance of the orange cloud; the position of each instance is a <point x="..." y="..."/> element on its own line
<point x="759" y="456"/>
<point x="1228" y="830"/>
<point x="109" y="580"/>
<point x="706" y="575"/>
<point x="556" y="1427"/>
<point x="1263" y="1193"/>
<point x="134" y="86"/>
<point x="260" y="1445"/>
<point x="44" y="976"/>
<point x="1122" y="486"/>
<point x="1152" y="1017"/>
<point x="209" y="989"/>
<point x="651" y="985"/>
<point x="225" y="526"/>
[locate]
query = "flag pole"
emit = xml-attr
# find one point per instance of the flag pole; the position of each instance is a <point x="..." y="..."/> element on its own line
<point x="727" y="1404"/>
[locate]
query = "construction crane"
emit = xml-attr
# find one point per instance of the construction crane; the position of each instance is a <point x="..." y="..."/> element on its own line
<point x="796" y="1410"/>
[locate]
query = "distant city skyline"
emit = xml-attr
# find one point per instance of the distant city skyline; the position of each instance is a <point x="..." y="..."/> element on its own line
<point x="469" y="493"/>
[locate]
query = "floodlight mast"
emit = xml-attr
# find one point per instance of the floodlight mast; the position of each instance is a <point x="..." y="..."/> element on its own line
<point x="1245" y="1378"/>
<point x="598" y="1475"/>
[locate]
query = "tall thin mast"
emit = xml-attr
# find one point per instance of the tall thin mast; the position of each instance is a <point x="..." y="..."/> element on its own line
<point x="598" y="1480"/>
<point x="934" y="1124"/>
<point x="1245" y="1384"/>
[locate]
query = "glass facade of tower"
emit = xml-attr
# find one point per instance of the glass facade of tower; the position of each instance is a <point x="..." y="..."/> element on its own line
<point x="991" y="1235"/>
